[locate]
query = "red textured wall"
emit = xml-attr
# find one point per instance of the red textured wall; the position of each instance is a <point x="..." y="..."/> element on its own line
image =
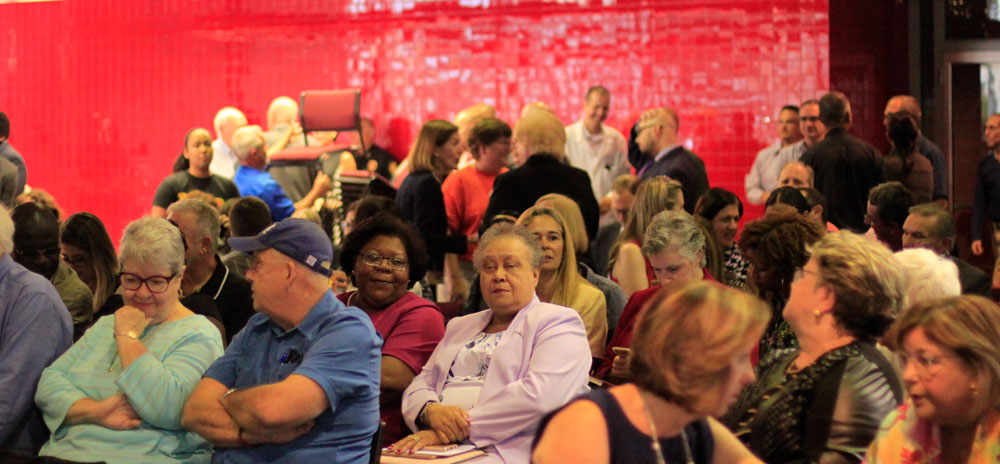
<point x="101" y="92"/>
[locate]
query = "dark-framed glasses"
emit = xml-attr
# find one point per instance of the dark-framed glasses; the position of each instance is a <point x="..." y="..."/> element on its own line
<point x="155" y="284"/>
<point x="36" y="252"/>
<point x="373" y="258"/>
<point x="76" y="260"/>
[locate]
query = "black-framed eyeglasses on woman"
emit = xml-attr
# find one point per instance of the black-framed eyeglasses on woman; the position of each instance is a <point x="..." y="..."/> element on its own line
<point x="155" y="284"/>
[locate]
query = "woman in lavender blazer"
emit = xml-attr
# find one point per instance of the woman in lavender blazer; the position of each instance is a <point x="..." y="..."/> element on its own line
<point x="497" y="372"/>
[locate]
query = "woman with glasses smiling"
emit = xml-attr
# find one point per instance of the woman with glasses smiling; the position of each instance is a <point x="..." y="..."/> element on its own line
<point x="117" y="394"/>
<point x="384" y="257"/>
<point x="951" y="369"/>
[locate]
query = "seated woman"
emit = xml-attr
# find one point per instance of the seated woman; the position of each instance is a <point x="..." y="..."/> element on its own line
<point x="723" y="210"/>
<point x="433" y="156"/>
<point x="384" y="257"/>
<point x="823" y="401"/>
<point x="629" y="268"/>
<point x="560" y="282"/>
<point x="952" y="372"/>
<point x="675" y="246"/>
<point x="775" y="245"/>
<point x="87" y="248"/>
<point x="117" y="394"/>
<point x="496" y="372"/>
<point x="689" y="364"/>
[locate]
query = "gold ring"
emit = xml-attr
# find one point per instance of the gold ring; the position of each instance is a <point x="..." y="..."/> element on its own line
<point x="416" y="437"/>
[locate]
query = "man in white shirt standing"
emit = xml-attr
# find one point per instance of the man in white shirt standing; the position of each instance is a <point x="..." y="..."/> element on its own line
<point x="224" y="161"/>
<point x="763" y="176"/>
<point x="596" y="148"/>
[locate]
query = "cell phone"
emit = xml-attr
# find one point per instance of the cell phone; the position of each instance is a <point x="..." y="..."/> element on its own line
<point x="621" y="351"/>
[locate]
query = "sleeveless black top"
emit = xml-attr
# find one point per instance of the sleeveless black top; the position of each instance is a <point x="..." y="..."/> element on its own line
<point x="628" y="445"/>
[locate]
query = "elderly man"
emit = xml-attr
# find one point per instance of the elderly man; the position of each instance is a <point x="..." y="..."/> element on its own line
<point x="226" y="122"/>
<point x="763" y="175"/>
<point x="253" y="180"/>
<point x="205" y="273"/>
<point x="931" y="226"/>
<point x="595" y="147"/>
<point x="539" y="153"/>
<point x="909" y="104"/>
<point x="846" y="168"/>
<point x="888" y="205"/>
<point x="35" y="329"/>
<point x="301" y="382"/>
<point x="8" y="152"/>
<point x="656" y="137"/>
<point x="36" y="247"/>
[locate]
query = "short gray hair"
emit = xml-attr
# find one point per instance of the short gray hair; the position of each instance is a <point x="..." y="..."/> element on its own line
<point x="206" y="218"/>
<point x="245" y="140"/>
<point x="504" y="230"/>
<point x="674" y="228"/>
<point x="6" y="231"/>
<point x="152" y="240"/>
<point x="929" y="276"/>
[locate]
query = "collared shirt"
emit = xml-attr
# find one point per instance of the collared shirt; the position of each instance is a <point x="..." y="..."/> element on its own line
<point x="232" y="295"/>
<point x="224" y="161"/>
<point x="763" y="175"/>
<point x="335" y="346"/>
<point x="35" y="329"/>
<point x="253" y="182"/>
<point x="602" y="155"/>
<point x="986" y="204"/>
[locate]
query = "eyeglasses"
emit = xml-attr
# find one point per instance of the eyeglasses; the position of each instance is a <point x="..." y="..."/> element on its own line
<point x="36" y="252"/>
<point x="808" y="118"/>
<point x="155" y="284"/>
<point x="373" y="259"/>
<point x="76" y="260"/>
<point x="924" y="364"/>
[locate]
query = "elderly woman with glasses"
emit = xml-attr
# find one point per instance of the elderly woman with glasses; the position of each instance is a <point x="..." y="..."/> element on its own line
<point x="823" y="401"/>
<point x="384" y="257"/>
<point x="117" y="394"/>
<point x="951" y="368"/>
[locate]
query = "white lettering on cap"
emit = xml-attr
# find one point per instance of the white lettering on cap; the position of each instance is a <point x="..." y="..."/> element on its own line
<point x="311" y="260"/>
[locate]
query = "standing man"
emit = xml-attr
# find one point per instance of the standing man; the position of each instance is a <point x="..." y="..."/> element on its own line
<point x="925" y="146"/>
<point x="663" y="154"/>
<point x="10" y="154"/>
<point x="596" y="148"/>
<point x="301" y="382"/>
<point x="986" y="204"/>
<point x="812" y="130"/>
<point x="845" y="167"/>
<point x="35" y="329"/>
<point x="226" y="121"/>
<point x="763" y="176"/>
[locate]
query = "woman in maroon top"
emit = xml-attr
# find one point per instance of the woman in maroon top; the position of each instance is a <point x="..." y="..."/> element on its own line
<point x="628" y="266"/>
<point x="384" y="258"/>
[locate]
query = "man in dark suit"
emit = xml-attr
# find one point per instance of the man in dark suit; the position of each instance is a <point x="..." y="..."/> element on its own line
<point x="663" y="154"/>
<point x="539" y="152"/>
<point x="846" y="168"/>
<point x="931" y="226"/>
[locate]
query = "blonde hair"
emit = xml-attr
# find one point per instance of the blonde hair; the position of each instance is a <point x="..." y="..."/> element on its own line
<point x="686" y="340"/>
<point x="433" y="134"/>
<point x="652" y="196"/>
<point x="867" y="281"/>
<point x="541" y="132"/>
<point x="968" y="325"/>
<point x="567" y="277"/>
<point x="571" y="213"/>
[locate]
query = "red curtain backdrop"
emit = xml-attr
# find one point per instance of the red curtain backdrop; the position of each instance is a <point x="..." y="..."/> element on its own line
<point x="101" y="92"/>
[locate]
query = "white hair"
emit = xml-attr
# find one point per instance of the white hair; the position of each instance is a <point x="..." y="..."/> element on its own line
<point x="245" y="140"/>
<point x="929" y="275"/>
<point x="283" y="110"/>
<point x="6" y="231"/>
<point x="226" y="114"/>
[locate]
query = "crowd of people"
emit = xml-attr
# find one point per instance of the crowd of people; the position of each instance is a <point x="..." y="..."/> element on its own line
<point x="545" y="293"/>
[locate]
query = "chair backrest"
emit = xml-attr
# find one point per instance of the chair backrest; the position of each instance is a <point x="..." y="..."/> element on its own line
<point x="376" y="455"/>
<point x="334" y="110"/>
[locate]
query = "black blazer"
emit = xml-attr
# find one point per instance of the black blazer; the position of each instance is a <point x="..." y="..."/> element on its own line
<point x="684" y="166"/>
<point x="974" y="281"/>
<point x="845" y="169"/>
<point x="422" y="204"/>
<point x="541" y="174"/>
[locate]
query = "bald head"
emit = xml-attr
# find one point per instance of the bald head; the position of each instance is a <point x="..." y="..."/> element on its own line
<point x="531" y="107"/>
<point x="283" y="111"/>
<point x="467" y="118"/>
<point x="539" y="132"/>
<point x="226" y="121"/>
<point x="36" y="239"/>
<point x="796" y="174"/>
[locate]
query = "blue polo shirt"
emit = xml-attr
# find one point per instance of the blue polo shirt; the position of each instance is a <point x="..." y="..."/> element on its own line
<point x="253" y="182"/>
<point x="341" y="351"/>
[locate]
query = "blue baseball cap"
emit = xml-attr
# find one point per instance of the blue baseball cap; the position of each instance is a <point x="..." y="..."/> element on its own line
<point x="299" y="239"/>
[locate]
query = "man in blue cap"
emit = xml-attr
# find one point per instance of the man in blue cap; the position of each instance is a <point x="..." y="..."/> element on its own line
<point x="300" y="383"/>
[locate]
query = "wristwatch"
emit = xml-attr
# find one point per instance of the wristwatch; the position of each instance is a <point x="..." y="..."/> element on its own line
<point x="129" y="333"/>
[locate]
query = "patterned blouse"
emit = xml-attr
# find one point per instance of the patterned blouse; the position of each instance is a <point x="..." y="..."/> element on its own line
<point x="904" y="438"/>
